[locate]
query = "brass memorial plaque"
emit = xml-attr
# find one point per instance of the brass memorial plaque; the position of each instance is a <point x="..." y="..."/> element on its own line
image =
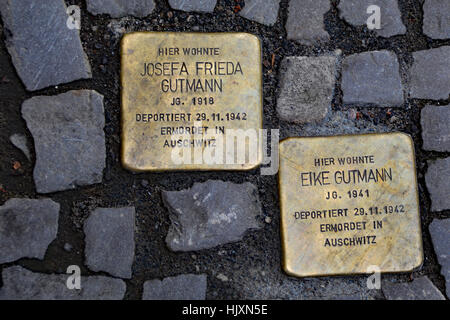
<point x="182" y="93"/>
<point x="349" y="203"/>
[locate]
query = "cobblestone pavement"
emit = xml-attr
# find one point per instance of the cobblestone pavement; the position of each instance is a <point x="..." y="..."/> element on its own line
<point x="59" y="87"/>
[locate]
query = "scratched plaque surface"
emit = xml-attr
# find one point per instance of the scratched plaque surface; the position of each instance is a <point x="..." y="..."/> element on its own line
<point x="182" y="93"/>
<point x="348" y="203"/>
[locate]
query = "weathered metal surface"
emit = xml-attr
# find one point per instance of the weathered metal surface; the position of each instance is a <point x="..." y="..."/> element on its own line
<point x="184" y="94"/>
<point x="349" y="203"/>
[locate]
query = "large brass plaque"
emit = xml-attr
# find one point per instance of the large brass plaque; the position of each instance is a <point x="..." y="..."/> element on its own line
<point x="182" y="93"/>
<point x="349" y="203"/>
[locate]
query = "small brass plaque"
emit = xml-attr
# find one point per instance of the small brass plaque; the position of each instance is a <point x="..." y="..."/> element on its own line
<point x="182" y="93"/>
<point x="349" y="203"/>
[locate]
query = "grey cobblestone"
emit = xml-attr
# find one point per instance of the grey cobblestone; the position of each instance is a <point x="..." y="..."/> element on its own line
<point x="372" y="78"/>
<point x="436" y="19"/>
<point x="22" y="284"/>
<point x="43" y="49"/>
<point x="27" y="227"/>
<point x="418" y="289"/>
<point x="306" y="88"/>
<point x="435" y="122"/>
<point x="210" y="214"/>
<point x="438" y="183"/>
<point x="355" y="12"/>
<point x="430" y="74"/>
<point x="193" y="5"/>
<point x="262" y="11"/>
<point x="68" y="137"/>
<point x="121" y="8"/>
<point x="110" y="241"/>
<point x="182" y="287"/>
<point x="305" y="22"/>
<point x="440" y="235"/>
<point x="20" y="142"/>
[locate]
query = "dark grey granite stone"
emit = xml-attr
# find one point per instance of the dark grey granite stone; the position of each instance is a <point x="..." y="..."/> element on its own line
<point x="430" y="74"/>
<point x="418" y="289"/>
<point x="306" y="89"/>
<point x="110" y="241"/>
<point x="121" y="8"/>
<point x="210" y="214"/>
<point x="262" y="11"/>
<point x="435" y="122"/>
<point x="305" y="21"/>
<point x="68" y="247"/>
<point x="437" y="179"/>
<point x="69" y="139"/>
<point x="43" y="49"/>
<point x="182" y="287"/>
<point x="20" y="142"/>
<point x="27" y="227"/>
<point x="193" y="5"/>
<point x="258" y="282"/>
<point x="436" y="19"/>
<point x="22" y="284"/>
<point x="355" y="13"/>
<point x="440" y="235"/>
<point x="372" y="78"/>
